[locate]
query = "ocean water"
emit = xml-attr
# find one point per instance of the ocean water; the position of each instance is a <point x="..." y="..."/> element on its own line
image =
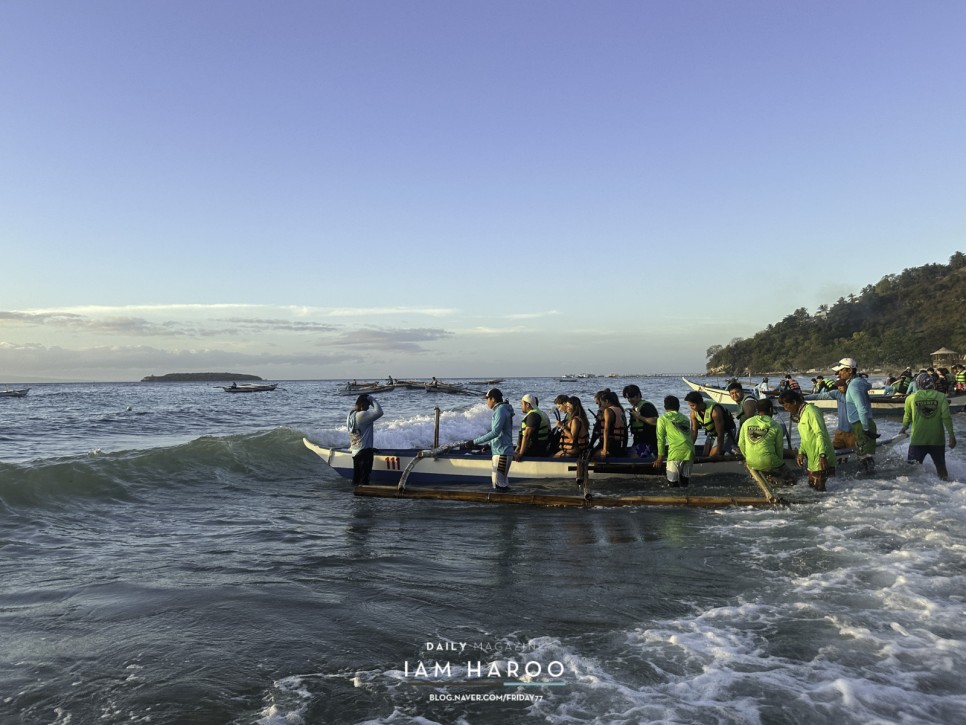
<point x="173" y="554"/>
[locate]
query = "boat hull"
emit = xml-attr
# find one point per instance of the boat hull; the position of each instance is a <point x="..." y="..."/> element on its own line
<point x="475" y="467"/>
<point x="250" y="388"/>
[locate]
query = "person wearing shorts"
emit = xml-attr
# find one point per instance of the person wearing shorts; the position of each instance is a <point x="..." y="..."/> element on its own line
<point x="927" y="412"/>
<point x="674" y="441"/>
<point x="499" y="437"/>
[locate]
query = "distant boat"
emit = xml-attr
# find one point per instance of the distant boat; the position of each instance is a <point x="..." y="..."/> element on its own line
<point x="358" y="389"/>
<point x="248" y="388"/>
<point x="571" y="377"/>
<point x="14" y="392"/>
<point x="456" y="389"/>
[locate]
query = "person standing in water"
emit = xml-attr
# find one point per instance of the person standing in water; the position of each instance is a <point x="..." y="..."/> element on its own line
<point x="500" y="438"/>
<point x="359" y="423"/>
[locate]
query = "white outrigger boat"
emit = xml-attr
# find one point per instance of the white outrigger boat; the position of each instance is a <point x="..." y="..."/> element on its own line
<point x="447" y="474"/>
<point x="14" y="392"/>
<point x="462" y="467"/>
<point x="881" y="404"/>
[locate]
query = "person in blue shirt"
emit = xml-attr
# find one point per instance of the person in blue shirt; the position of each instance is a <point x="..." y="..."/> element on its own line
<point x="359" y="424"/>
<point x="859" y="409"/>
<point x="499" y="437"/>
<point x="843" y="437"/>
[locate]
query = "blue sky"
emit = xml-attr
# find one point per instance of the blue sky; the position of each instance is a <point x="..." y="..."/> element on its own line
<point x="356" y="189"/>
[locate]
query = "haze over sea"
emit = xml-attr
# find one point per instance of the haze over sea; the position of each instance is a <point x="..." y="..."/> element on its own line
<point x="173" y="554"/>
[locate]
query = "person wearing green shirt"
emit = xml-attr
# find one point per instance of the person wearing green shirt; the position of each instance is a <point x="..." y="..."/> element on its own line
<point x="815" y="450"/>
<point x="760" y="442"/>
<point x="674" y="441"/>
<point x="927" y="411"/>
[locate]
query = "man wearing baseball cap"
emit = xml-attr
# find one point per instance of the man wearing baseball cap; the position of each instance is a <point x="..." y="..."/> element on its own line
<point x="500" y="438"/>
<point x="359" y="424"/>
<point x="859" y="410"/>
<point x="534" y="431"/>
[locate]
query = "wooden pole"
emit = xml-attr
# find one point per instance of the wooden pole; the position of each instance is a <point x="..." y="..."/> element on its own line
<point x="763" y="485"/>
<point x="535" y="499"/>
<point x="436" y="427"/>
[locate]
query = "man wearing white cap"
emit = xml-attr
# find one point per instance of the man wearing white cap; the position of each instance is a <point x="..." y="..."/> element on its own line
<point x="534" y="431"/>
<point x="859" y="410"/>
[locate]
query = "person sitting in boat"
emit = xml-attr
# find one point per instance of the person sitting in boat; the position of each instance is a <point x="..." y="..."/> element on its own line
<point x="643" y="423"/>
<point x="574" y="428"/>
<point x="359" y="423"/>
<point x="761" y="442"/>
<point x="902" y="383"/>
<point x="737" y="393"/>
<point x="434" y="383"/>
<point x="959" y="375"/>
<point x="790" y="383"/>
<point x="613" y="425"/>
<point x="499" y="437"/>
<point x="534" y="430"/>
<point x="234" y="385"/>
<point x="943" y="381"/>
<point x="673" y="432"/>
<point x="718" y="425"/>
<point x="815" y="451"/>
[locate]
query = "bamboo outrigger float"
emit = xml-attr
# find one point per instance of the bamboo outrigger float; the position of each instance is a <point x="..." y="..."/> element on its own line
<point x="562" y="500"/>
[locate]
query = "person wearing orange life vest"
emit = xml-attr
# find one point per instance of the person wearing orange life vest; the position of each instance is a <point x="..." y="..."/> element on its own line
<point x="612" y="425"/>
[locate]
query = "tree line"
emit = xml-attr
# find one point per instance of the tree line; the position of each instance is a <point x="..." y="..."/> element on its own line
<point x="890" y="325"/>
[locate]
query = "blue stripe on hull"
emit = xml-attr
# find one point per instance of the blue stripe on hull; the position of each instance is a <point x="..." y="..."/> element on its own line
<point x="391" y="478"/>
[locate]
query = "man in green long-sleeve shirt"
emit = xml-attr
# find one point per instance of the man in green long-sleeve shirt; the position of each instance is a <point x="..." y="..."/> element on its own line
<point x="760" y="441"/>
<point x="815" y="450"/>
<point x="927" y="411"/>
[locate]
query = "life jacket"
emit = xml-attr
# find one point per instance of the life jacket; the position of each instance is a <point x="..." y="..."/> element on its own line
<point x="618" y="433"/>
<point x="961" y="380"/>
<point x="542" y="436"/>
<point x="902" y="384"/>
<point x="706" y="420"/>
<point x="638" y="426"/>
<point x="571" y="447"/>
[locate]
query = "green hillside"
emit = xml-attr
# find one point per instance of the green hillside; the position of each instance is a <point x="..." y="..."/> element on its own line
<point x="889" y="325"/>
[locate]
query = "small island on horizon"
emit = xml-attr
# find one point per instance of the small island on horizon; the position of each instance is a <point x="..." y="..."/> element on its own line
<point x="197" y="377"/>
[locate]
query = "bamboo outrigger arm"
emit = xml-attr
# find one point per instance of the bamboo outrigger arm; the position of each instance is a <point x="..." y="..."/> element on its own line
<point x="770" y="495"/>
<point x="432" y="453"/>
